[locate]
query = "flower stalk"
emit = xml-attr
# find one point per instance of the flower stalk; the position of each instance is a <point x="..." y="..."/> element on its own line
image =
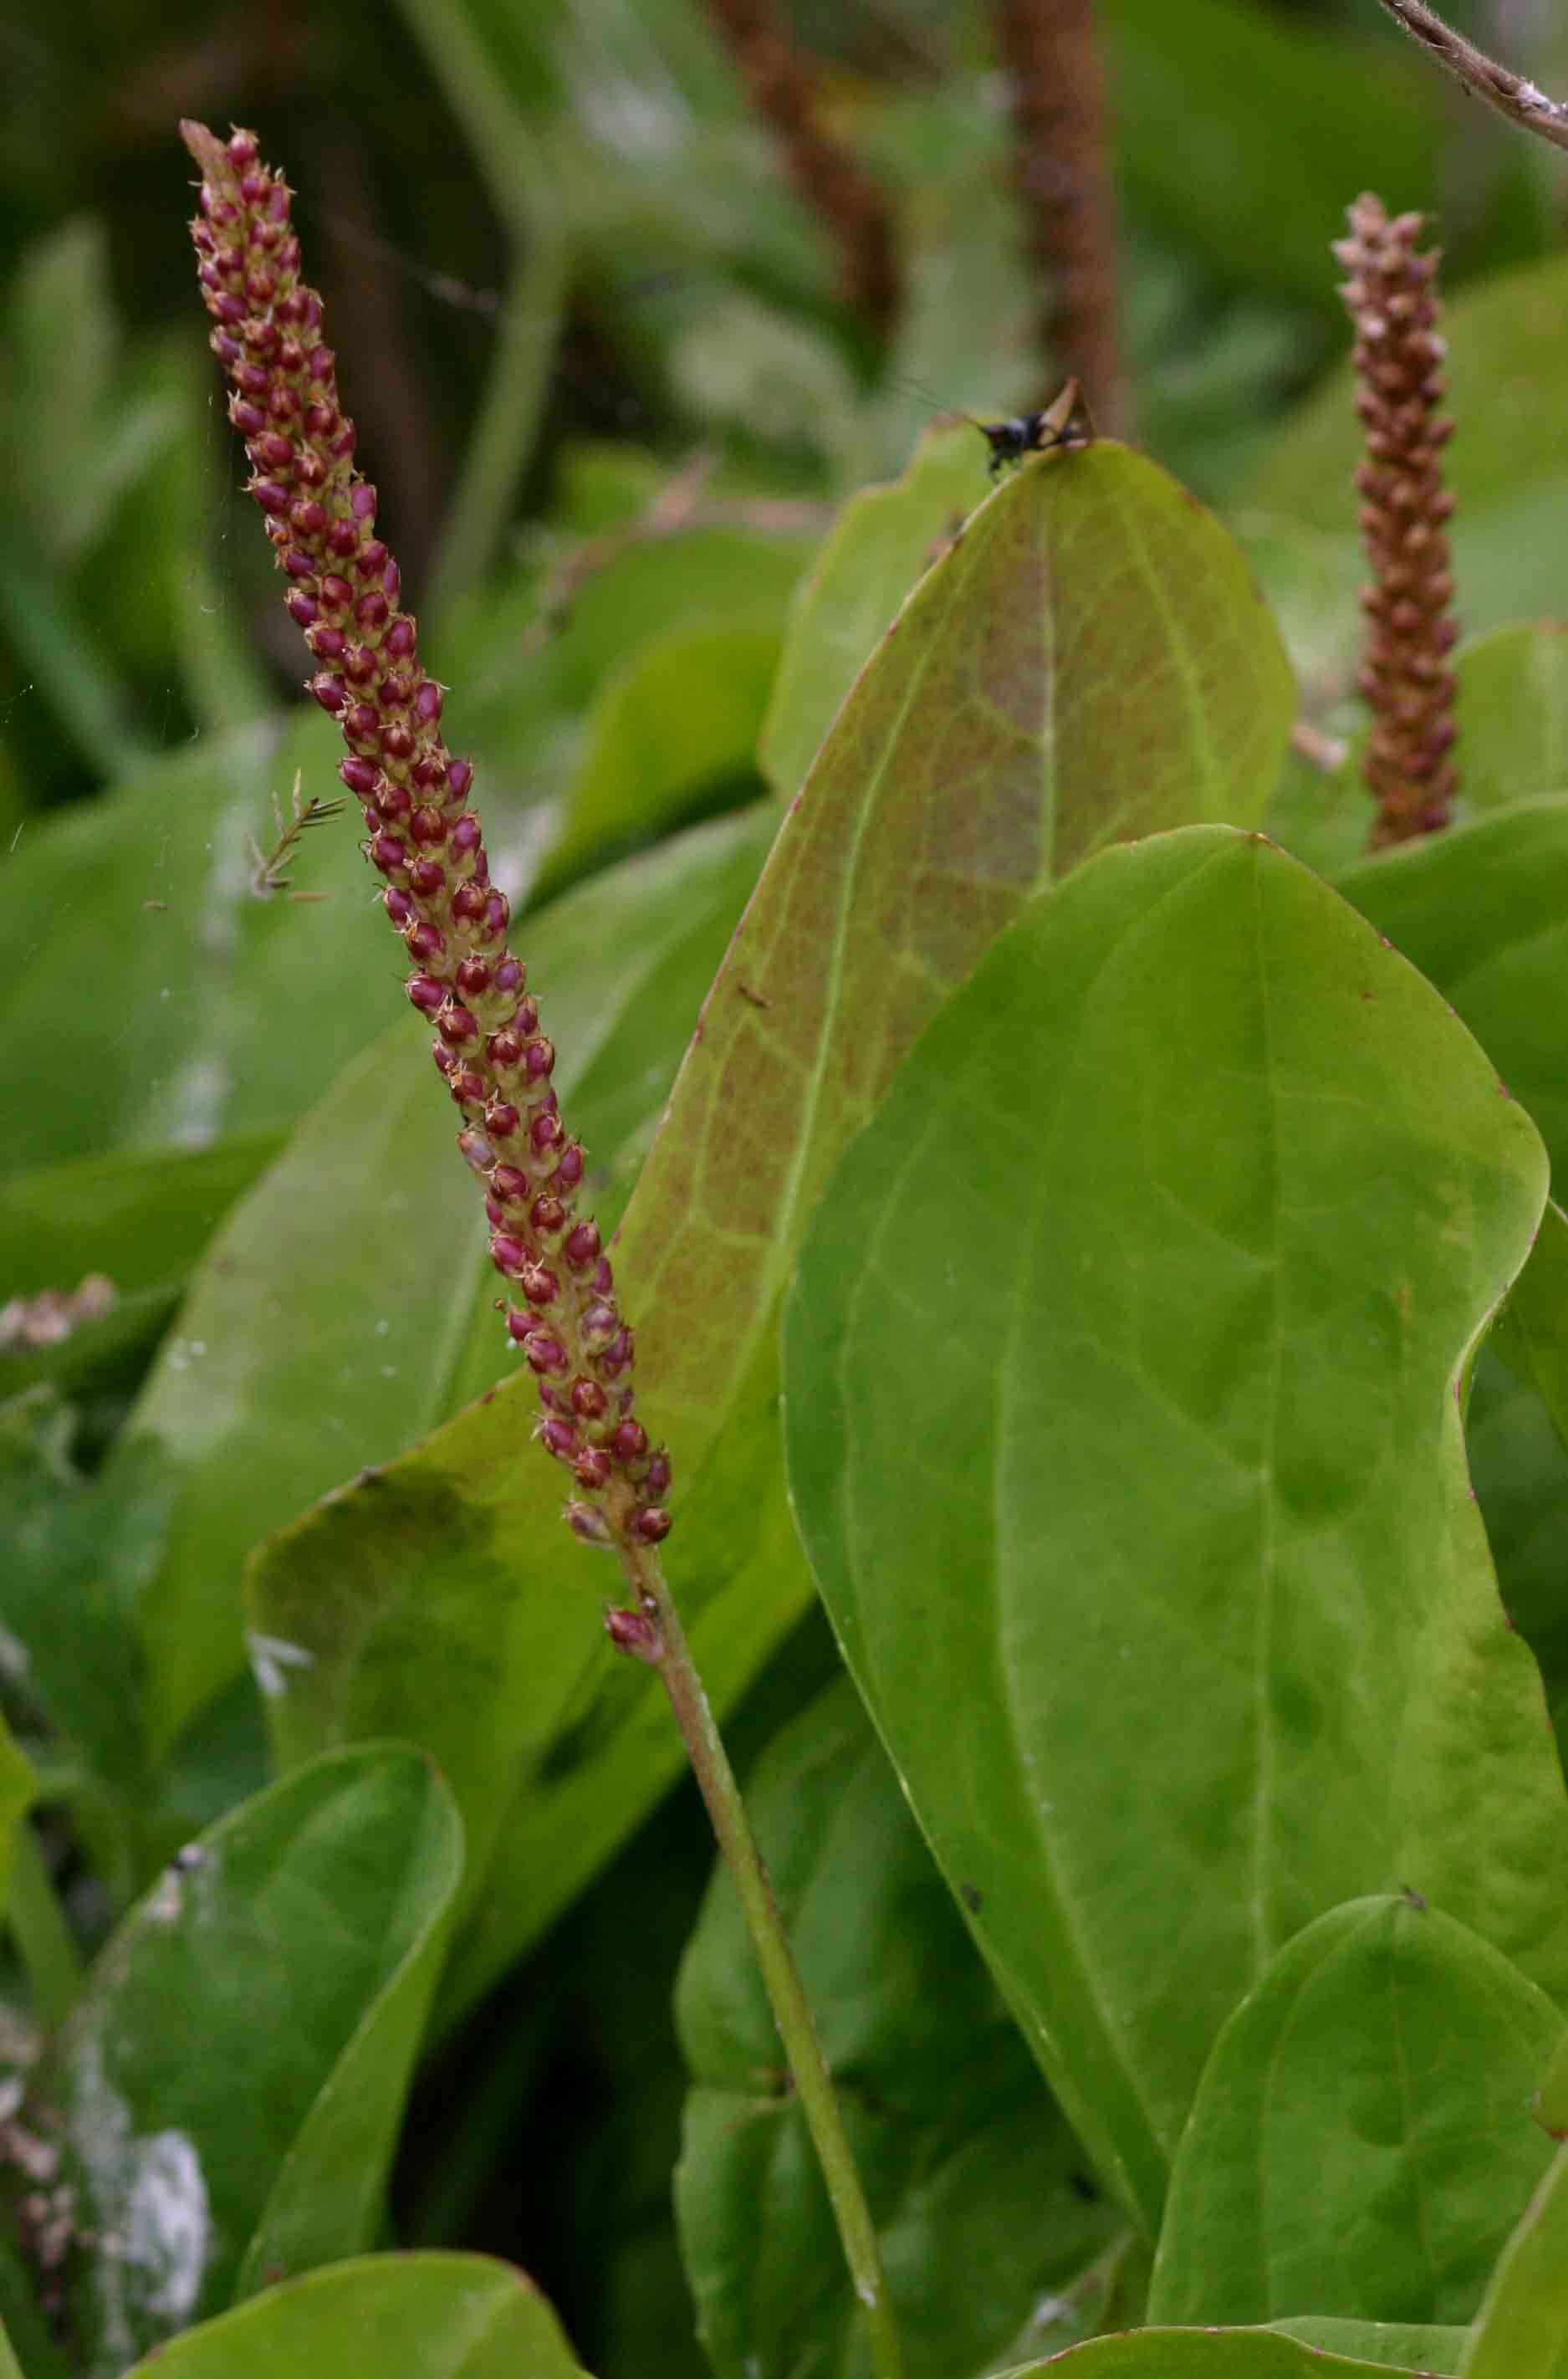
<point x="1404" y="676"/>
<point x="1063" y="171"/>
<point x="781" y="89"/>
<point x="424" y="840"/>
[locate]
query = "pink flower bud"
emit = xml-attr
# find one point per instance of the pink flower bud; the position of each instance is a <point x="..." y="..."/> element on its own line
<point x="589" y="1400"/>
<point x="548" y="1215"/>
<point x="508" y="1185"/>
<point x="657" y="1484"/>
<point x="629" y="1442"/>
<point x="540" y="1285"/>
<point x="651" y="1524"/>
<point x="544" y="1353"/>
<point x="559" y="1437"/>
<point x="634" y="1633"/>
<point x="426" y="877"/>
<point x="398" y="906"/>
<point x="507" y="1253"/>
<point x="501" y="1119"/>
<point x="456" y="1025"/>
<point x="592" y="1469"/>
<point x="425" y="993"/>
<point x="583" y="1246"/>
<point x="329" y="692"/>
<point x="475" y="1150"/>
<point x="588" y="1523"/>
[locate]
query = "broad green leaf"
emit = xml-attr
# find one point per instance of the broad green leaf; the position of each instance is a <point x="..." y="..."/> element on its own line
<point x="1512" y="712"/>
<point x="1204" y="2354"/>
<point x="346" y="1308"/>
<point x="1550" y="2107"/>
<point x="1522" y="2326"/>
<point x="135" y="1222"/>
<point x="1507" y="342"/>
<point x="76" y="1555"/>
<point x="964" y="2160"/>
<point x="1520" y="1470"/>
<point x="1159" y="1467"/>
<point x="1483" y="912"/>
<point x="9" y="2367"/>
<point x="678" y="723"/>
<point x="27" y="2326"/>
<point x="1394" y="2345"/>
<point x="994" y="740"/>
<point x="428" y="2317"/>
<point x="1382" y="2068"/>
<point x="532" y="663"/>
<point x="1323" y="817"/>
<point x="1348" y="112"/>
<point x="139" y="1216"/>
<point x="19" y="1789"/>
<point x="1510" y="707"/>
<point x="230" y="2086"/>
<point x="1531" y="1332"/>
<point x="883" y="541"/>
<point x="186" y="1007"/>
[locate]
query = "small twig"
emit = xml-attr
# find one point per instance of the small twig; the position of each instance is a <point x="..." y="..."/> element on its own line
<point x="270" y="872"/>
<point x="1324" y="753"/>
<point x="1500" y="88"/>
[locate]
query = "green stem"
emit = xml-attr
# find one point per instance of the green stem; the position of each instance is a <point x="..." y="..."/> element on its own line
<point x="503" y="437"/>
<point x="792" y="2010"/>
<point x="39" y="1928"/>
<point x="502" y="138"/>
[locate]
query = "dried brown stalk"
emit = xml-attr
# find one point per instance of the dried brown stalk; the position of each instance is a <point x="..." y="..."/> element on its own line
<point x="1064" y="175"/>
<point x="1405" y="677"/>
<point x="1484" y="77"/>
<point x="781" y="86"/>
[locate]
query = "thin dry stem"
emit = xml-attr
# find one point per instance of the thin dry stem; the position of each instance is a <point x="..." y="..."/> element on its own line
<point x="781" y="87"/>
<point x="1484" y="77"/>
<point x="1063" y="168"/>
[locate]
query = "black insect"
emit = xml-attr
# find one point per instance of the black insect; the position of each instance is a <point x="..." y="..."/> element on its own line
<point x="1063" y="422"/>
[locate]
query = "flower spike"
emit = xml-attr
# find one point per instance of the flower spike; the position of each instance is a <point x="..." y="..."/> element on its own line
<point x="1406" y="678"/>
<point x="423" y="839"/>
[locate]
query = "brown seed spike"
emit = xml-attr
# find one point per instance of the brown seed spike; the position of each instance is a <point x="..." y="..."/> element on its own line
<point x="1391" y="297"/>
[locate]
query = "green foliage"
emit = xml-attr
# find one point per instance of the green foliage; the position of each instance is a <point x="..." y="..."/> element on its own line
<point x="297" y="1941"/>
<point x="1386" y="2060"/>
<point x="966" y="2162"/>
<point x="1131" y="1311"/>
<point x="1108" y="1263"/>
<point x="426" y="2316"/>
